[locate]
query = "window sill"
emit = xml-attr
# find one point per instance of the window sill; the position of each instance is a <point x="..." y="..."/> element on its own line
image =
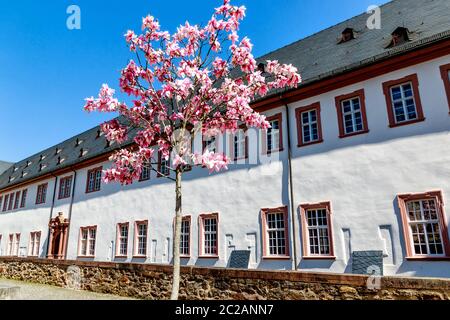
<point x="208" y="257"/>
<point x="393" y="125"/>
<point x="185" y="257"/>
<point x="309" y="143"/>
<point x="141" y="180"/>
<point x="85" y="257"/>
<point x="92" y="191"/>
<point x="319" y="258"/>
<point x="353" y="134"/>
<point x="120" y="257"/>
<point x="274" y="151"/>
<point x="276" y="257"/>
<point x="428" y="258"/>
<point x="139" y="257"/>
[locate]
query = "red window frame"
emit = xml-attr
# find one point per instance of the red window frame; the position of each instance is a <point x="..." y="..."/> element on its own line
<point x="305" y="234"/>
<point x="445" y="69"/>
<point x="265" y="246"/>
<point x="201" y="230"/>
<point x="298" y="113"/>
<point x="94" y="188"/>
<point x="1" y="201"/>
<point x="11" y="201"/>
<point x="161" y="174"/>
<point x="390" y="108"/>
<point x="67" y="183"/>
<point x="5" y="203"/>
<point x="136" y="242"/>
<point x="41" y="193"/>
<point x="438" y="198"/>
<point x="279" y="117"/>
<point x="88" y="254"/>
<point x="362" y="102"/>
<point x="232" y="154"/>
<point x="31" y="248"/>
<point x="119" y="236"/>
<point x="16" y="200"/>
<point x="146" y="165"/>
<point x="23" y="200"/>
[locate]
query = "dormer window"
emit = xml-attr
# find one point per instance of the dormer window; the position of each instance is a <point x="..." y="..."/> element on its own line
<point x="28" y="164"/>
<point x="78" y="142"/>
<point x="42" y="157"/>
<point x="57" y="150"/>
<point x="99" y="134"/>
<point x="59" y="161"/>
<point x="399" y="36"/>
<point x="82" y="152"/>
<point x="347" y="35"/>
<point x="262" y="67"/>
<point x="15" y="169"/>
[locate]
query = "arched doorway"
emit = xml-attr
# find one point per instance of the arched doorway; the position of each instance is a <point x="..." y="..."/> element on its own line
<point x="58" y="237"/>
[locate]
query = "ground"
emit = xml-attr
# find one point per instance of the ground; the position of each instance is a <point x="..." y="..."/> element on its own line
<point x="33" y="291"/>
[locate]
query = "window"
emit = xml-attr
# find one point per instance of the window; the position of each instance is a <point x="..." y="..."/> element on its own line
<point x="94" y="180"/>
<point x="10" y="249"/>
<point x="41" y="193"/>
<point x="309" y="127"/>
<point x="275" y="233"/>
<point x="122" y="240"/>
<point x="424" y="225"/>
<point x="185" y="248"/>
<point x="273" y="136"/>
<point x="17" y="199"/>
<point x="403" y="101"/>
<point x="24" y="198"/>
<point x="163" y="166"/>
<point x="1" y="201"/>
<point x="347" y="35"/>
<point x="87" y="241"/>
<point x="209" y="235"/>
<point x="5" y="204"/>
<point x="11" y="201"/>
<point x="239" y="144"/>
<point x="145" y="173"/>
<point x="16" y="245"/>
<point x="445" y="73"/>
<point x="64" y="187"/>
<point x="210" y="144"/>
<point x="399" y="36"/>
<point x="317" y="237"/>
<point x="35" y="240"/>
<point x="351" y="112"/>
<point x="140" y="240"/>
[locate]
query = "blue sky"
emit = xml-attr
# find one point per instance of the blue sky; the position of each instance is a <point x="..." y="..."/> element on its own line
<point x="47" y="70"/>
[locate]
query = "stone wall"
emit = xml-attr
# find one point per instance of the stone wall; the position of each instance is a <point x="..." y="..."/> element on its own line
<point x="148" y="281"/>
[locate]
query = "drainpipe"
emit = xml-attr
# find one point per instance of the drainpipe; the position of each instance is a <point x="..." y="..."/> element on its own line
<point x="70" y="210"/>
<point x="51" y="212"/>
<point x="291" y="189"/>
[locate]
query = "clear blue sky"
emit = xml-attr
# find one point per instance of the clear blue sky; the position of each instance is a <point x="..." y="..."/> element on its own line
<point x="48" y="70"/>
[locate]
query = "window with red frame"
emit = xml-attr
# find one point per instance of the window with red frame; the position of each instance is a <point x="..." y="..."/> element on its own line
<point x="424" y="225"/>
<point x="88" y="237"/>
<point x="10" y="248"/>
<point x="11" y="201"/>
<point x="317" y="236"/>
<point x="445" y="73"/>
<point x="351" y="112"/>
<point x="239" y="144"/>
<point x="23" y="201"/>
<point x="5" y="203"/>
<point x="275" y="233"/>
<point x="145" y="173"/>
<point x="403" y="101"/>
<point x="65" y="186"/>
<point x="309" y="127"/>
<point x="273" y="136"/>
<point x="140" y="238"/>
<point x="122" y="239"/>
<point x="17" y="200"/>
<point x="185" y="241"/>
<point x="209" y="235"/>
<point x="41" y="193"/>
<point x="16" y="244"/>
<point x="35" y="241"/>
<point x="94" y="180"/>
<point x="1" y="201"/>
<point x="163" y="166"/>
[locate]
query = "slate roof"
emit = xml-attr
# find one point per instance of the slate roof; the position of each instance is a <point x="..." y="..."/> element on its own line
<point x="317" y="57"/>
<point x="4" y="165"/>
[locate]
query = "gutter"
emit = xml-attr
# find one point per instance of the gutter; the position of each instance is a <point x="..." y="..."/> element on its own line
<point x="291" y="190"/>
<point x="51" y="211"/>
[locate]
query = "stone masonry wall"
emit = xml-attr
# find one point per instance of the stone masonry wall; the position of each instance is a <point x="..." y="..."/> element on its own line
<point x="147" y="281"/>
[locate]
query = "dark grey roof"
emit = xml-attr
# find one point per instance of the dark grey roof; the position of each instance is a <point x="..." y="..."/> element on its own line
<point x="318" y="56"/>
<point x="4" y="165"/>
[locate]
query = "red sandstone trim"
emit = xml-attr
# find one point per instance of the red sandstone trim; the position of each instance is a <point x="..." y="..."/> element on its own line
<point x="201" y="230"/>
<point x="445" y="77"/>
<point x="135" y="240"/>
<point x="232" y="155"/>
<point x="305" y="239"/>
<point x="266" y="253"/>
<point x="362" y="99"/>
<point x="390" y="108"/>
<point x="298" y="113"/>
<point x="88" y="228"/>
<point x="87" y="179"/>
<point x="438" y="197"/>
<point x="118" y="236"/>
<point x="279" y="117"/>
<point x="185" y="218"/>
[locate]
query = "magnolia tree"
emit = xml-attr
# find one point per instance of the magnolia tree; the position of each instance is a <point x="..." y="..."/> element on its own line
<point x="197" y="80"/>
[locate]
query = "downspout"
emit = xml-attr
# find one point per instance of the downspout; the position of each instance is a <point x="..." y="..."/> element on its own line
<point x="70" y="211"/>
<point x="291" y="189"/>
<point x="51" y="212"/>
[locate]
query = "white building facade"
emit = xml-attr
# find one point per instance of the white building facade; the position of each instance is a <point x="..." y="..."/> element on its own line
<point x="358" y="159"/>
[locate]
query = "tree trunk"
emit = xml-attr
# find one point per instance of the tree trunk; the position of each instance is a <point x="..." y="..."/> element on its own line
<point x="177" y="238"/>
